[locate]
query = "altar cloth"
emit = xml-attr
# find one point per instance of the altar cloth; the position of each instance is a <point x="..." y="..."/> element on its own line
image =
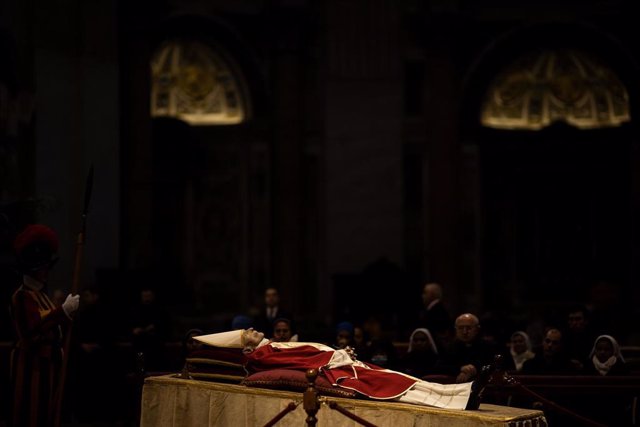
<point x="168" y="401"/>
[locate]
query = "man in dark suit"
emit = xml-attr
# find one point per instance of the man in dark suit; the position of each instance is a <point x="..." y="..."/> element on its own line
<point x="468" y="352"/>
<point x="552" y="360"/>
<point x="271" y="312"/>
<point x="578" y="337"/>
<point x="435" y="316"/>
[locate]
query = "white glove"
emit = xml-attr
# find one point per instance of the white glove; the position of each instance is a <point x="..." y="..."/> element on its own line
<point x="71" y="304"/>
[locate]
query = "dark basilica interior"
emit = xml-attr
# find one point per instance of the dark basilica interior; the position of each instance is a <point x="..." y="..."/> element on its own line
<point x="343" y="152"/>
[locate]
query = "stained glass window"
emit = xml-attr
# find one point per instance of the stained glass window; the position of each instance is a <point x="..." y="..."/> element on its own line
<point x="192" y="82"/>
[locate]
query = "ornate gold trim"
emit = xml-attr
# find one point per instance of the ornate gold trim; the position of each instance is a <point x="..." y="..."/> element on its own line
<point x="548" y="86"/>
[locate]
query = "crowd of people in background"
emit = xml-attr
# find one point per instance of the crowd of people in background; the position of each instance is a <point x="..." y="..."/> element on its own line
<point x="440" y="344"/>
<point x="443" y="348"/>
<point x="433" y="343"/>
<point x="436" y="344"/>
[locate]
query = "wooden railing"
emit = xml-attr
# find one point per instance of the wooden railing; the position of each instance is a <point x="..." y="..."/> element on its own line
<point x="573" y="400"/>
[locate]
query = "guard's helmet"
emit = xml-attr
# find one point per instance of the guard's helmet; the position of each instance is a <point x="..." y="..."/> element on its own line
<point x="36" y="247"/>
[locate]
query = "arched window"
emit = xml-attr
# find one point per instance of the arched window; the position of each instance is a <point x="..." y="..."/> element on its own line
<point x="192" y="82"/>
<point x="549" y="86"/>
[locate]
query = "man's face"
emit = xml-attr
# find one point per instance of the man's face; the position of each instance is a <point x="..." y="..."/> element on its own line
<point x="281" y="332"/>
<point x="251" y="338"/>
<point x="41" y="275"/>
<point x="576" y="321"/>
<point x="428" y="295"/>
<point x="552" y="343"/>
<point x="466" y="329"/>
<point x="271" y="297"/>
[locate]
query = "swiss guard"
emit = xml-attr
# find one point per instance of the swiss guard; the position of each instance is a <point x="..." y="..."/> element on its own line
<point x="37" y="356"/>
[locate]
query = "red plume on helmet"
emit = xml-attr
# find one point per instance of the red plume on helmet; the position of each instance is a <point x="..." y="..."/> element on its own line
<point x="36" y="247"/>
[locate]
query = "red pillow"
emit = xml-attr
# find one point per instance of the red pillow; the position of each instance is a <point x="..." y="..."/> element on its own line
<point x="289" y="379"/>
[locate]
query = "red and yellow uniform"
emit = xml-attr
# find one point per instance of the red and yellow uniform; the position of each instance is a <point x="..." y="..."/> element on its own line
<point x="37" y="355"/>
<point x="36" y="358"/>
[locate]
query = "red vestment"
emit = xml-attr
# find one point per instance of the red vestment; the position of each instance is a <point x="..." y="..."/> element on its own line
<point x="369" y="380"/>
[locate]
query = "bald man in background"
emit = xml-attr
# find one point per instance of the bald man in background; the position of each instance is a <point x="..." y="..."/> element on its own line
<point x="467" y="353"/>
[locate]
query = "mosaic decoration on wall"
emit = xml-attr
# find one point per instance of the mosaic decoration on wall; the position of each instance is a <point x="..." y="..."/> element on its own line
<point x="190" y="81"/>
<point x="551" y="86"/>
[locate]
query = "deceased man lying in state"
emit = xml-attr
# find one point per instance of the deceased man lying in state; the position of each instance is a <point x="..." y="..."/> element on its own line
<point x="345" y="371"/>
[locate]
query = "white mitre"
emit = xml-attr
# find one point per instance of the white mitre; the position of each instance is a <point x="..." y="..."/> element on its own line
<point x="231" y="339"/>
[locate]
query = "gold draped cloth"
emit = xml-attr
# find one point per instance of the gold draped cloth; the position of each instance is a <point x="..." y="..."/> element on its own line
<point x="169" y="401"/>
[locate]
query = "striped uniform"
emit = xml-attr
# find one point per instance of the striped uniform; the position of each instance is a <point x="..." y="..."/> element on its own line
<point x="36" y="358"/>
